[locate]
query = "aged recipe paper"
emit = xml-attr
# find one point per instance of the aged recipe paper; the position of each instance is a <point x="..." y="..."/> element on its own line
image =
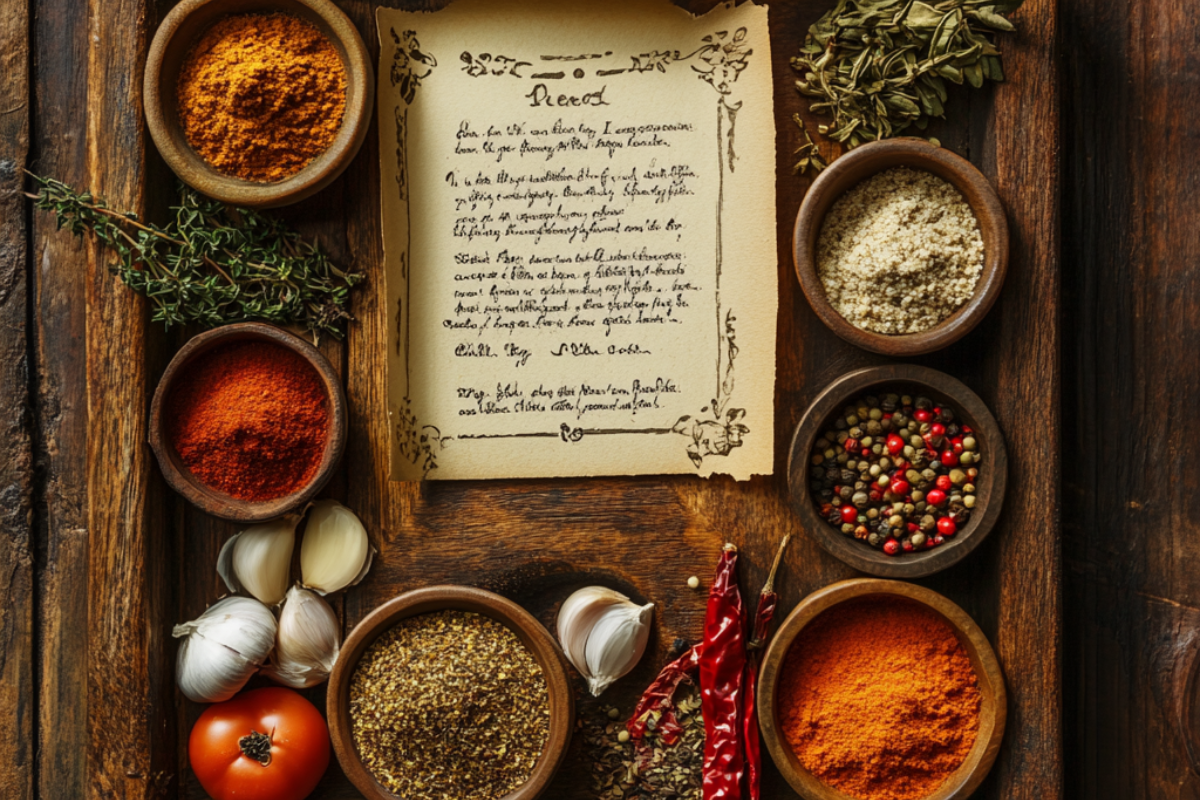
<point x="579" y="229"/>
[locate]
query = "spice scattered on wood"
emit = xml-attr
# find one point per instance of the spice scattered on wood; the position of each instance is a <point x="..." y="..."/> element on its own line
<point x="250" y="419"/>
<point x="449" y="704"/>
<point x="211" y="264"/>
<point x="261" y="95"/>
<point x="900" y="252"/>
<point x="896" y="472"/>
<point x="879" y="700"/>
<point x="878" y="66"/>
<point x="654" y="769"/>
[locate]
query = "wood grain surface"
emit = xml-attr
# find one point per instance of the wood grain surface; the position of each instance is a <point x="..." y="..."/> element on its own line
<point x="119" y="558"/>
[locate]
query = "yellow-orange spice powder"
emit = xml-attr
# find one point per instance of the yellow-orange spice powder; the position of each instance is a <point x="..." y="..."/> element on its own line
<point x="879" y="700"/>
<point x="261" y="95"/>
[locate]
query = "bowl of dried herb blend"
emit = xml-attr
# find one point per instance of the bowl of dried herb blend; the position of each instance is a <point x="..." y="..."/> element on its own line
<point x="900" y="471"/>
<point x="450" y="691"/>
<point x="881" y="690"/>
<point x="901" y="247"/>
<point x="258" y="103"/>
<point x="248" y="422"/>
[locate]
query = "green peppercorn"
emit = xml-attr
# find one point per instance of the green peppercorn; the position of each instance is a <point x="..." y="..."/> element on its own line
<point x="968" y="488"/>
<point x="875" y="540"/>
<point x="847" y="528"/>
<point x="918" y="539"/>
<point x="969" y="501"/>
<point x="860" y="499"/>
<point x="875" y="414"/>
<point x="875" y="470"/>
<point x="852" y="420"/>
<point x="928" y="523"/>
<point x="917" y="495"/>
<point x="896" y="521"/>
<point x="966" y="458"/>
<point x="969" y="443"/>
<point x="958" y="477"/>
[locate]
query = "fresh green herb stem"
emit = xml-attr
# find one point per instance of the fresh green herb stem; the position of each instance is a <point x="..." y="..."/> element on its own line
<point x="212" y="264"/>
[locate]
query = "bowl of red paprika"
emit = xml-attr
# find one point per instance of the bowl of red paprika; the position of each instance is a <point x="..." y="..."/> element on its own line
<point x="881" y="690"/>
<point x="248" y="422"/>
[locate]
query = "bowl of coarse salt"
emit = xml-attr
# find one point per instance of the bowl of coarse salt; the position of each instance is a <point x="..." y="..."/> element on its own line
<point x="901" y="247"/>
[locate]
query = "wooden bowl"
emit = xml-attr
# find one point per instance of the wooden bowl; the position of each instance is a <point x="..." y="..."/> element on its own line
<point x="461" y="598"/>
<point x="216" y="502"/>
<point x="851" y="169"/>
<point x="993" y="711"/>
<point x="182" y="27"/>
<point x="989" y="495"/>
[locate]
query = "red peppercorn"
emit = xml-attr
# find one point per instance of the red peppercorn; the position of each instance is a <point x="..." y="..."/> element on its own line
<point x="936" y="497"/>
<point x="949" y="458"/>
<point x="894" y="444"/>
<point x="875" y="495"/>
<point x="937" y="429"/>
<point x="947" y="527"/>
<point x="968" y="429"/>
<point x="958" y="448"/>
<point x="944" y="483"/>
<point x="922" y="415"/>
<point x="851" y="445"/>
<point x="900" y="487"/>
<point x="901" y="464"/>
<point x="891" y="547"/>
<point x="913" y="527"/>
<point x="908" y="547"/>
<point x="826" y="508"/>
<point x="849" y="513"/>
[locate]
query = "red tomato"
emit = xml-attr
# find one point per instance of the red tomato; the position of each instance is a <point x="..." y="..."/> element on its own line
<point x="232" y="740"/>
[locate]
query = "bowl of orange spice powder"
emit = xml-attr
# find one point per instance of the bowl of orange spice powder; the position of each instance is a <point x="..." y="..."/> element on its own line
<point x="248" y="422"/>
<point x="258" y="103"/>
<point x="881" y="690"/>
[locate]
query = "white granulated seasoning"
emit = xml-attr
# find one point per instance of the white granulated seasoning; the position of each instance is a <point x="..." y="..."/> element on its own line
<point x="899" y="252"/>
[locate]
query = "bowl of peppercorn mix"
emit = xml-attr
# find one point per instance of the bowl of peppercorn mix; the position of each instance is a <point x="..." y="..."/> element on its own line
<point x="450" y="691"/>
<point x="258" y="103"/>
<point x="899" y="471"/>
<point x="248" y="422"/>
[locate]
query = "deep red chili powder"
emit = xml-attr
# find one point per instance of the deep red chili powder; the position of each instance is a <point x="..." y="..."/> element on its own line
<point x="250" y="419"/>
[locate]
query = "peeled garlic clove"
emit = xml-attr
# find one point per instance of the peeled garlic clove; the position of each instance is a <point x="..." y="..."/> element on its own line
<point x="306" y="647"/>
<point x="259" y="559"/>
<point x="578" y="614"/>
<point x="335" y="552"/>
<point x="222" y="648"/>
<point x="616" y="643"/>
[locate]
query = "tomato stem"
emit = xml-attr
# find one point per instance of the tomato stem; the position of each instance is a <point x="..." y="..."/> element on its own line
<point x="257" y="746"/>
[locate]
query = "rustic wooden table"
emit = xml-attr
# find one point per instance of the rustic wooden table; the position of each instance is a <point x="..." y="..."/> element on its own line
<point x="1093" y="618"/>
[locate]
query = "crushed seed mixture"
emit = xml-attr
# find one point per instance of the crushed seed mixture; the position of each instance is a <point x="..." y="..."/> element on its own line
<point x="660" y="771"/>
<point x="900" y="252"/>
<point x="449" y="705"/>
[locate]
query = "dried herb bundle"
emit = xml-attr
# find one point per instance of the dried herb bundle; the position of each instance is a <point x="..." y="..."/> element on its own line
<point x="661" y="770"/>
<point x="878" y="66"/>
<point x="211" y="264"/>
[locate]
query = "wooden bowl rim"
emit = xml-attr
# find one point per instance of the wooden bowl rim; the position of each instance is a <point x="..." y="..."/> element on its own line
<point x="431" y="599"/>
<point x="989" y="497"/>
<point x="993" y="710"/>
<point x="210" y="500"/>
<point x="159" y="103"/>
<point x="842" y="175"/>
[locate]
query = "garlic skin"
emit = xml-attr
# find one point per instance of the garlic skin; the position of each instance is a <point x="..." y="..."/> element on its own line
<point x="308" y="641"/>
<point x="335" y="552"/>
<point x="258" y="560"/>
<point x="604" y="634"/>
<point x="222" y="648"/>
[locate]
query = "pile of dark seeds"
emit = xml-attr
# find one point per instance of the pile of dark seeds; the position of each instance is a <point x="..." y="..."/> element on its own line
<point x="668" y="771"/>
<point x="449" y="704"/>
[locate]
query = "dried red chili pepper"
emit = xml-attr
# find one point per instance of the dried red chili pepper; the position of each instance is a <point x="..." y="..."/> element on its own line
<point x="722" y="678"/>
<point x="767" y="601"/>
<point x="655" y="711"/>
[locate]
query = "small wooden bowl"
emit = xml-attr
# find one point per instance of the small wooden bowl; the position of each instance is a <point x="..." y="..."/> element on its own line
<point x="851" y="169"/>
<point x="989" y="497"/>
<point x="993" y="710"/>
<point x="461" y="598"/>
<point x="183" y="26"/>
<point x="216" y="502"/>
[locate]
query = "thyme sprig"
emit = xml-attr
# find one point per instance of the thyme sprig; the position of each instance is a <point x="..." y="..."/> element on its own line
<point x="211" y="264"/>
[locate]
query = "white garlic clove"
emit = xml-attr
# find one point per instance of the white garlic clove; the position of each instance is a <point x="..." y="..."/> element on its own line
<point x="222" y="648"/>
<point x="616" y="643"/>
<point x="335" y="552"/>
<point x="307" y="645"/>
<point x="578" y="614"/>
<point x="258" y="560"/>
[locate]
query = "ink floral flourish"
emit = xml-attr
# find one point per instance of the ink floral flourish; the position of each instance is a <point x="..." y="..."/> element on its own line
<point x="409" y="64"/>
<point x="725" y="59"/>
<point x="725" y="431"/>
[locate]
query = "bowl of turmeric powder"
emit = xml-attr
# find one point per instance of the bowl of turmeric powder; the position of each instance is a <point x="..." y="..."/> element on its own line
<point x="258" y="103"/>
<point x="881" y="690"/>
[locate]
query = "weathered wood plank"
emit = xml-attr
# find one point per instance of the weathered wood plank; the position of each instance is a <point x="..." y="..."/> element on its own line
<point x="1132" y="484"/>
<point x="130" y="679"/>
<point x="58" y="314"/>
<point x="17" y="642"/>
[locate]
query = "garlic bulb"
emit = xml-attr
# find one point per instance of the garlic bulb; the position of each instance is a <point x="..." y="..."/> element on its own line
<point x="259" y="559"/>
<point x="604" y="634"/>
<point x="222" y="648"/>
<point x="335" y="552"/>
<point x="308" y="641"/>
